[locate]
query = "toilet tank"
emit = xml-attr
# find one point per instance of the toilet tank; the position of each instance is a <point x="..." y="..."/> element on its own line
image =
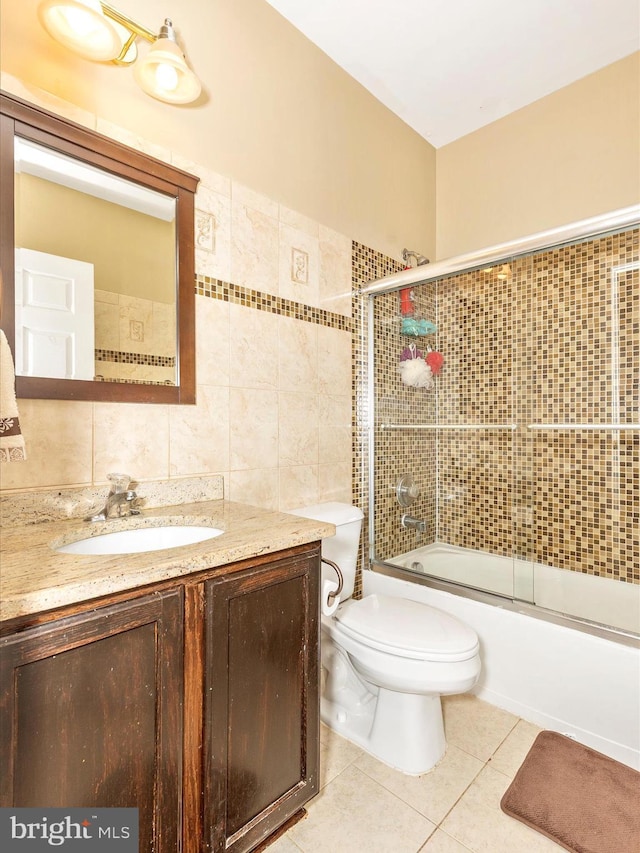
<point x="343" y="547"/>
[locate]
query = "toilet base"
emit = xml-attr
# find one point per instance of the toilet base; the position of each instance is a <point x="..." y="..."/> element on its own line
<point x="404" y="730"/>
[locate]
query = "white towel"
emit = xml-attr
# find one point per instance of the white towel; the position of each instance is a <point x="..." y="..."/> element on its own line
<point x="11" y="439"/>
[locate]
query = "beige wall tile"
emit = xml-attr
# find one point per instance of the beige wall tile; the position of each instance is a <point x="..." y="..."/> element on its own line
<point x="335" y="271"/>
<point x="297" y="355"/>
<point x="134" y="310"/>
<point x="213" y="234"/>
<point x="124" y="441"/>
<point x="298" y="429"/>
<point x="258" y="486"/>
<point x="334" y="482"/>
<point x="299" y="266"/>
<point x="298" y="486"/>
<point x="334" y="361"/>
<point x="107" y="328"/>
<point x="335" y="410"/>
<point x="199" y="435"/>
<point x="254" y="249"/>
<point x="334" y="444"/>
<point x="212" y="341"/>
<point x="58" y="441"/>
<point x="253" y="428"/>
<point x="164" y="329"/>
<point x="253" y="347"/>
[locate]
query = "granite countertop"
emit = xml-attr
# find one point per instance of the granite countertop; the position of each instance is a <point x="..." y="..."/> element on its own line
<point x="35" y="578"/>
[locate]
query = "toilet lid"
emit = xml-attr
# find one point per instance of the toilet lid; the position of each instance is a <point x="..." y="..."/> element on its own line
<point x="408" y="628"/>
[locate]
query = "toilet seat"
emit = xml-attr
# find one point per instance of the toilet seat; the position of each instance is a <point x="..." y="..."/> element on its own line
<point x="406" y="628"/>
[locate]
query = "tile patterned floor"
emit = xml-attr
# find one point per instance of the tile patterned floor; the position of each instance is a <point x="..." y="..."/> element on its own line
<point x="363" y="805"/>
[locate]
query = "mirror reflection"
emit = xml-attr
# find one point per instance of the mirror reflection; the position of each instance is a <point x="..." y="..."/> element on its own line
<point x="95" y="273"/>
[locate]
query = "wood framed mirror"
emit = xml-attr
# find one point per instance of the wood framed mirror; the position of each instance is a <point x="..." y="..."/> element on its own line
<point x="97" y="264"/>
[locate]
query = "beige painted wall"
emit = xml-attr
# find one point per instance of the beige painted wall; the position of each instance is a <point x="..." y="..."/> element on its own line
<point x="569" y="156"/>
<point x="132" y="253"/>
<point x="278" y="116"/>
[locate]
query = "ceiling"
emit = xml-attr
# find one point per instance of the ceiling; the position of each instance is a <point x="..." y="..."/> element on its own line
<point x="449" y="67"/>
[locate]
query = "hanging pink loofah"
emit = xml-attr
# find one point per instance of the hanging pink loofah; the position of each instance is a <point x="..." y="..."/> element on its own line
<point x="435" y="361"/>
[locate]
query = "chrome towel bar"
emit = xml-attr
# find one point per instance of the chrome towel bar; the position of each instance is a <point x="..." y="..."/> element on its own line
<point x="512" y="427"/>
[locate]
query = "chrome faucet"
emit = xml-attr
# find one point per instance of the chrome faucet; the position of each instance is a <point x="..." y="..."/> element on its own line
<point x="410" y="521"/>
<point x="119" y="500"/>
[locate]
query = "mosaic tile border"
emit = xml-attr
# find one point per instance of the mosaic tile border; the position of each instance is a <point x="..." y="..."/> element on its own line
<point x="122" y="357"/>
<point x="215" y="288"/>
<point x="99" y="378"/>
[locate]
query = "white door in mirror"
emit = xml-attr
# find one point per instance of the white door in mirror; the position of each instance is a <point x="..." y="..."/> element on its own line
<point x="54" y="316"/>
<point x="141" y="539"/>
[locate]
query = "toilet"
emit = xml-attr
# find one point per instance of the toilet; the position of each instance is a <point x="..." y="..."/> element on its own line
<point x="386" y="661"/>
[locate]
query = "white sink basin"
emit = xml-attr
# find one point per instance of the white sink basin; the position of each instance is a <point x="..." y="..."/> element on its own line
<point x="140" y="539"/>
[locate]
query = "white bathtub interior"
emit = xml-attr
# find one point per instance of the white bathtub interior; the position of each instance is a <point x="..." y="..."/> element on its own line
<point x="595" y="599"/>
<point x="559" y="678"/>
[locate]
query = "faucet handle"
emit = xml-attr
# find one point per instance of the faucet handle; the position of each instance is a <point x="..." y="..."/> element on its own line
<point x="119" y="482"/>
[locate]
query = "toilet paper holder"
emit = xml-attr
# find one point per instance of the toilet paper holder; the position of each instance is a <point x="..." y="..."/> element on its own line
<point x="338" y="571"/>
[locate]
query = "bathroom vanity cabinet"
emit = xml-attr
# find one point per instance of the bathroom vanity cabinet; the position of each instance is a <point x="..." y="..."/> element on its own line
<point x="195" y="700"/>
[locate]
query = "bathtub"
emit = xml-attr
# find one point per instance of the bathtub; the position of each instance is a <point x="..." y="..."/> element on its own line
<point x="557" y="673"/>
<point x="600" y="600"/>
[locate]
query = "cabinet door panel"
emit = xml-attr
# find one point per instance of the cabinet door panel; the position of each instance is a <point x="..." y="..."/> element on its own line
<point x="266" y="698"/>
<point x="81" y="738"/>
<point x="261" y="712"/>
<point x="91" y="714"/>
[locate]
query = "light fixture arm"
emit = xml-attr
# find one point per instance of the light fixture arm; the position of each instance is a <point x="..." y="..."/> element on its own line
<point x="129" y="23"/>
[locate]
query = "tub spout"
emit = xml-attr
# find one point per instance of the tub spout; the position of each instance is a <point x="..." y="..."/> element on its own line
<point x="417" y="523"/>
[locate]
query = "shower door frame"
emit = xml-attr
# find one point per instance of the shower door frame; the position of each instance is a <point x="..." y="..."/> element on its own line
<point x="595" y="227"/>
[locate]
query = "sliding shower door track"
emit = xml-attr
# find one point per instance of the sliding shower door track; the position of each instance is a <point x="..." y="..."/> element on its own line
<point x="526" y="608"/>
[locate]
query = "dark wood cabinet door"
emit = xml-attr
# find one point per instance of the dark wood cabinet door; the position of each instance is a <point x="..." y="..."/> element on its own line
<point x="261" y="711"/>
<point x="91" y="714"/>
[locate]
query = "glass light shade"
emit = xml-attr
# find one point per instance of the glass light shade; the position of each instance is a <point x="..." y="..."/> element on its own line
<point x="164" y="74"/>
<point x="81" y="26"/>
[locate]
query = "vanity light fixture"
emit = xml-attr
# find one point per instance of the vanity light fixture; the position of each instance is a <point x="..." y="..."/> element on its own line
<point x="101" y="33"/>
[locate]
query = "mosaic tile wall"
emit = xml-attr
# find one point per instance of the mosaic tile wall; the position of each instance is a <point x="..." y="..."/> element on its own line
<point x="367" y="265"/>
<point x="556" y="341"/>
<point x="402" y="452"/>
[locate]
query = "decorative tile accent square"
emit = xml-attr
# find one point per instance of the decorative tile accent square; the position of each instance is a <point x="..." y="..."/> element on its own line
<point x="299" y="266"/>
<point x="136" y="330"/>
<point x="205" y="231"/>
